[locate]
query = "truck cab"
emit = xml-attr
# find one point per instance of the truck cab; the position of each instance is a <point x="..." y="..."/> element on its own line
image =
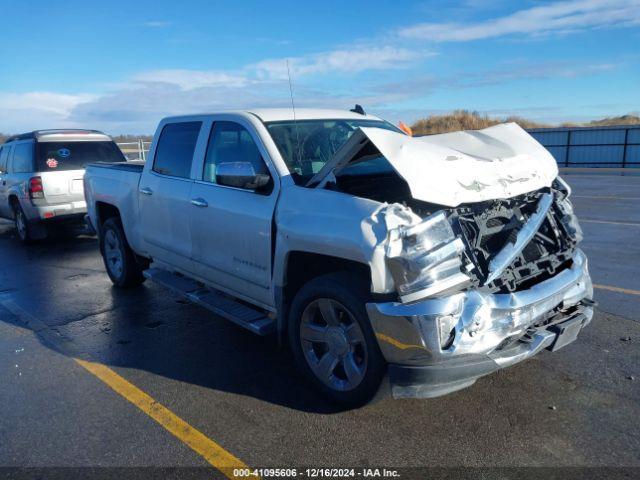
<point x="438" y="259"/>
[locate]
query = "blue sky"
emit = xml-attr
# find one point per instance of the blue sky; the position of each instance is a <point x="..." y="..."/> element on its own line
<point x="122" y="65"/>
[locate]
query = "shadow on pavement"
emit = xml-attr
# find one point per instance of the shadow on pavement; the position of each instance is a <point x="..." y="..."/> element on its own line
<point x="145" y="329"/>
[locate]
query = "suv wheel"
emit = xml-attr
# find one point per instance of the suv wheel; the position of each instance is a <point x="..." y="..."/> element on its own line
<point x="332" y="340"/>
<point x="119" y="260"/>
<point x="22" y="225"/>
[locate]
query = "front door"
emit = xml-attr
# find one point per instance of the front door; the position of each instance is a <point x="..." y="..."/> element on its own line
<point x="164" y="193"/>
<point x="231" y="226"/>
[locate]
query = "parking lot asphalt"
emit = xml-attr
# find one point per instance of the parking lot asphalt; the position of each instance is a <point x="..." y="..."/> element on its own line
<point x="576" y="407"/>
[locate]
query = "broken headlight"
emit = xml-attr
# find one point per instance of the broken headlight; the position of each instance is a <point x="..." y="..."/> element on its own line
<point x="425" y="258"/>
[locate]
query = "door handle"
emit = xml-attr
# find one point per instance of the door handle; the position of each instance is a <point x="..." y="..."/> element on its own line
<point x="199" y="202"/>
<point x="146" y="191"/>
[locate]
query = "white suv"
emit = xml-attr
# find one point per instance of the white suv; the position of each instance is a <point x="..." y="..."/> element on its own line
<point x="41" y="176"/>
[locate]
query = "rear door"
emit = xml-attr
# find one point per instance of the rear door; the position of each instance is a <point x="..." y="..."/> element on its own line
<point x="62" y="165"/>
<point x="4" y="188"/>
<point x="164" y="193"/>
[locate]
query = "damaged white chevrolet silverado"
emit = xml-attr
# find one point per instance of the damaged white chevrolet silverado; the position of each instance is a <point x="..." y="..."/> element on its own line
<point x="437" y="259"/>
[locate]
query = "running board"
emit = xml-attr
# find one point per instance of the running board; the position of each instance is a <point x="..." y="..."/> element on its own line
<point x="239" y="313"/>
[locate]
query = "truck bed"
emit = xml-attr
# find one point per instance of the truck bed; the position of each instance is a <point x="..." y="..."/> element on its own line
<point x="115" y="185"/>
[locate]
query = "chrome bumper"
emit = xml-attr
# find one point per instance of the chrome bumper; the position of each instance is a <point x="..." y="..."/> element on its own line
<point x="484" y="331"/>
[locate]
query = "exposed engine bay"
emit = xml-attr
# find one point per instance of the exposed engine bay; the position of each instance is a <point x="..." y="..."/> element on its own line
<point x="482" y="210"/>
<point x="483" y="231"/>
<point x="489" y="226"/>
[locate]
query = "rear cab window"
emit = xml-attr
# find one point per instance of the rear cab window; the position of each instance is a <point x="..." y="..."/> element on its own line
<point x="56" y="156"/>
<point x="176" y="145"/>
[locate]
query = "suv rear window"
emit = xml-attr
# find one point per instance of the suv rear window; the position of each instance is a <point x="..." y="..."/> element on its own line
<point x="53" y="156"/>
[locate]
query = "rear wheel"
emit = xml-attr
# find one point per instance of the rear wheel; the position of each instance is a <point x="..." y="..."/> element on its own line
<point x="119" y="260"/>
<point x="23" y="228"/>
<point x="332" y="339"/>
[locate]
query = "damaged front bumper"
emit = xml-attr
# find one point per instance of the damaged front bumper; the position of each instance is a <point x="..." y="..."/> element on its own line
<point x="440" y="345"/>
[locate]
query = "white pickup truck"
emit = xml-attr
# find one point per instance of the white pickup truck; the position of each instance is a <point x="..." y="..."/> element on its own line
<point x="437" y="259"/>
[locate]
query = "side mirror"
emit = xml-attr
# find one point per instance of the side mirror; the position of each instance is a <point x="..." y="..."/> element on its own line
<point x="240" y="175"/>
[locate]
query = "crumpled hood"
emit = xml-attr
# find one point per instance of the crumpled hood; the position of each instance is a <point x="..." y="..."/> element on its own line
<point x="460" y="167"/>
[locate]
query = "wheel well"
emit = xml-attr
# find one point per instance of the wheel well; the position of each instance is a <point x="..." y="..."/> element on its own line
<point x="303" y="267"/>
<point x="13" y="200"/>
<point x="106" y="211"/>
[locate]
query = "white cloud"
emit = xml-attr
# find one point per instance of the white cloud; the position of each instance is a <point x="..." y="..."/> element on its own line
<point x="32" y="110"/>
<point x="136" y="105"/>
<point x="191" y="79"/>
<point x="58" y="104"/>
<point x="353" y="60"/>
<point x="556" y="18"/>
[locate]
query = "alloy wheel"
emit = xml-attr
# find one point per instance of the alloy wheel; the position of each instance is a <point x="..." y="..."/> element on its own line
<point x="333" y="344"/>
<point x="113" y="253"/>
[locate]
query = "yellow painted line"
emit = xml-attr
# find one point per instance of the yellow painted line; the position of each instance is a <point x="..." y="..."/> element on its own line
<point x="628" y="291"/>
<point x="213" y="453"/>
<point x="196" y="440"/>
<point x="392" y="341"/>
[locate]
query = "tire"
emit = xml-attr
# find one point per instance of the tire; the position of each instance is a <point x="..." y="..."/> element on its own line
<point x="119" y="260"/>
<point x="23" y="229"/>
<point x="332" y="340"/>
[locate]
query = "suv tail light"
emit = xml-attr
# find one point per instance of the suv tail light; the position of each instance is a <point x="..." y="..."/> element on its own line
<point x="35" y="188"/>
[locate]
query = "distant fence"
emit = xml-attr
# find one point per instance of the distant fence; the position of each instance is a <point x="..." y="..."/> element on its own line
<point x="616" y="146"/>
<point x="135" y="150"/>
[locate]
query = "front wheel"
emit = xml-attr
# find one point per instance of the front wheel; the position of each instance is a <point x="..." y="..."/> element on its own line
<point x="332" y="340"/>
<point x="119" y="260"/>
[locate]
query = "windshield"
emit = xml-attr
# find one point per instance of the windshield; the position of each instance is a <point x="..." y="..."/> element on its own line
<point x="55" y="156"/>
<point x="306" y="145"/>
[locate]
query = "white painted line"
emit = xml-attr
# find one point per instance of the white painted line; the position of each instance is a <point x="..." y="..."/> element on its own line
<point x="605" y="197"/>
<point x="610" y="222"/>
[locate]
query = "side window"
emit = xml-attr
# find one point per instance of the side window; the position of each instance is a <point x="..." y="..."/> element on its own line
<point x="176" y="145"/>
<point x="4" y="155"/>
<point x="22" y="158"/>
<point x="232" y="147"/>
